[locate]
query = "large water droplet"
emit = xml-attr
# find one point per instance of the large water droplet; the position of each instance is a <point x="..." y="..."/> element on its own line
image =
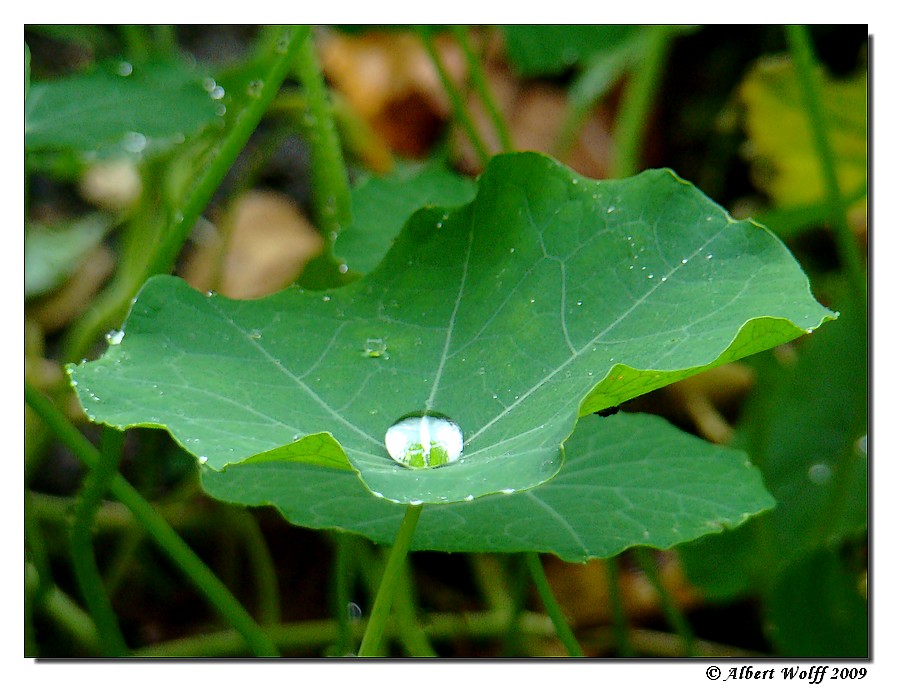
<point x="124" y="69"/>
<point x="424" y="440"/>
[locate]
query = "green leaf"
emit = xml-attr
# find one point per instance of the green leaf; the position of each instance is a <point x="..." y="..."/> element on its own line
<point x="541" y="50"/>
<point x="53" y="253"/>
<point x="548" y="297"/>
<point x="381" y="205"/>
<point x="803" y="427"/>
<point x="120" y="109"/>
<point x="817" y="610"/>
<point x="628" y="479"/>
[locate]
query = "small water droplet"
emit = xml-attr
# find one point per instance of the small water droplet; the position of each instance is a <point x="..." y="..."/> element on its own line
<point x="255" y="334"/>
<point x="819" y="474"/>
<point x="684" y="261"/>
<point x="124" y="69"/>
<point x="354" y="613"/>
<point x="611" y="209"/>
<point x="375" y="347"/>
<point x="134" y="142"/>
<point x="709" y="256"/>
<point x="343" y="268"/>
<point x="326" y="298"/>
<point x="424" y="440"/>
<point x="512" y="250"/>
<point x="862" y="445"/>
<point x="217" y="93"/>
<point x="649" y="275"/>
<point x="579" y="303"/>
<point x="203" y="459"/>
<point x="508" y="491"/>
<point x="470" y="497"/>
<point x="255" y="88"/>
<point x="115" y="337"/>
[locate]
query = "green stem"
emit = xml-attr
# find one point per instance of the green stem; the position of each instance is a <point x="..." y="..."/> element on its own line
<point x="110" y="307"/>
<point x="517" y="569"/>
<point x="59" y="607"/>
<point x="617" y="610"/>
<point x="330" y="182"/>
<point x="670" y="609"/>
<point x="308" y="636"/>
<point x="550" y="604"/>
<point x="136" y="45"/>
<point x="36" y="548"/>
<point x="205" y="581"/>
<point x="343" y="584"/>
<point x="460" y="113"/>
<point x="84" y="562"/>
<point x="411" y="634"/>
<point x="262" y="566"/>
<point x="479" y="81"/>
<point x="590" y="86"/>
<point x="633" y="116"/>
<point x="810" y="88"/>
<point x="389" y="580"/>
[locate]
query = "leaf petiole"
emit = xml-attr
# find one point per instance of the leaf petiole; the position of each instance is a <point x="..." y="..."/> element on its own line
<point x="393" y="575"/>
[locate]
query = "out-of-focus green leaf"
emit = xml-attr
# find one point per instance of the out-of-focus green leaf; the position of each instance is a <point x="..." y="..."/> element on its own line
<point x="53" y="253"/>
<point x="381" y="205"/>
<point x="805" y="428"/>
<point x="120" y="109"/>
<point x="817" y="609"/>
<point x="547" y="49"/>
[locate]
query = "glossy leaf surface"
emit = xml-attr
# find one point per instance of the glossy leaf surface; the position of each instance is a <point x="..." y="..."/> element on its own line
<point x="550" y="296"/>
<point x="628" y="479"/>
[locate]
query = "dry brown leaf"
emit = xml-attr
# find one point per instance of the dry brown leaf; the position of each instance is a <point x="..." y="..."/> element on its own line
<point x="702" y="399"/>
<point x="534" y="112"/>
<point x="268" y="243"/>
<point x="112" y="185"/>
<point x="388" y="78"/>
<point x="582" y="590"/>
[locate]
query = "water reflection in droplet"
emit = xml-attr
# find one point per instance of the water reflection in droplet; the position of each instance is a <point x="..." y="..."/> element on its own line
<point x="424" y="440"/>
